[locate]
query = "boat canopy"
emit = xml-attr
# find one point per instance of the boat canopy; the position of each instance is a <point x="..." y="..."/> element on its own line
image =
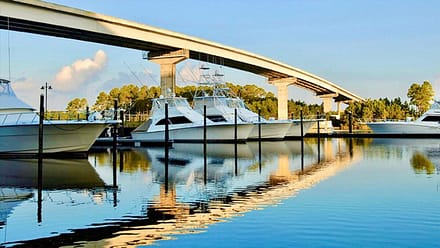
<point x="9" y="101"/>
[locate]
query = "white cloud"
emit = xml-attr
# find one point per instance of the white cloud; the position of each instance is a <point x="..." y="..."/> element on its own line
<point x="188" y="73"/>
<point x="71" y="77"/>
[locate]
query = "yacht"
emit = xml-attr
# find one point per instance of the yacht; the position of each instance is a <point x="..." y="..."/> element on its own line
<point x="221" y="108"/>
<point x="294" y="126"/>
<point x="428" y="123"/>
<point x="186" y="124"/>
<point x="19" y="128"/>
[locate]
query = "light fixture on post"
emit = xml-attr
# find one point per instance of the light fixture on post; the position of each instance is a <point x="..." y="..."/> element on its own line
<point x="45" y="87"/>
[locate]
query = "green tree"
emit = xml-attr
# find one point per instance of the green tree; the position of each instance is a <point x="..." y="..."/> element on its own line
<point x="421" y="96"/>
<point x="128" y="94"/>
<point x="77" y="105"/>
<point x="103" y="101"/>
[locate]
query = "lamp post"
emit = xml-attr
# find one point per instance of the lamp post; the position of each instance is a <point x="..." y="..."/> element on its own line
<point x="45" y="87"/>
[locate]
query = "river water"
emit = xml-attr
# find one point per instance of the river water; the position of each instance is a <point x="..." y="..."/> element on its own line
<point x="340" y="193"/>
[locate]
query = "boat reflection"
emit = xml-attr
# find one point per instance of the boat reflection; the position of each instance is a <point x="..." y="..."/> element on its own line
<point x="177" y="215"/>
<point x="19" y="182"/>
<point x="9" y="199"/>
<point x="194" y="196"/>
<point x="186" y="162"/>
<point x="57" y="174"/>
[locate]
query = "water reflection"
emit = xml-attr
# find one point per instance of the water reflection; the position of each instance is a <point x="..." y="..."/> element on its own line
<point x="425" y="153"/>
<point x="151" y="207"/>
<point x="421" y="163"/>
<point x="57" y="174"/>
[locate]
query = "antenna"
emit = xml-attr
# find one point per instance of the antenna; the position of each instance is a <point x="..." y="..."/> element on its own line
<point x="9" y="52"/>
<point x="134" y="74"/>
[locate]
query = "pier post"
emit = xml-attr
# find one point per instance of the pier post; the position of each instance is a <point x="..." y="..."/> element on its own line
<point x="259" y="139"/>
<point x="350" y="122"/>
<point x="114" y="143"/>
<point x="204" y="146"/>
<point x="121" y="128"/>
<point x="40" y="129"/>
<point x="235" y="141"/>
<point x="167" y="138"/>
<point x="302" y="141"/>
<point x="40" y="160"/>
<point x="319" y="137"/>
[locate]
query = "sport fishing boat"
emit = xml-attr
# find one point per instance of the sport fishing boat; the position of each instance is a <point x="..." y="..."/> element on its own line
<point x="294" y="126"/>
<point x="185" y="124"/>
<point x="221" y="108"/>
<point x="428" y="123"/>
<point x="19" y="128"/>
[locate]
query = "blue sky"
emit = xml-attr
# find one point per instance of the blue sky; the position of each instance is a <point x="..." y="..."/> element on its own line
<point x="372" y="48"/>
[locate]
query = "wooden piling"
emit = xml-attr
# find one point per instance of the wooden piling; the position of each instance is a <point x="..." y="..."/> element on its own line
<point x="205" y="161"/>
<point x="167" y="139"/>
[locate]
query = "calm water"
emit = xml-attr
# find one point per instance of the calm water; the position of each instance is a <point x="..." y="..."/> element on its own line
<point x="344" y="193"/>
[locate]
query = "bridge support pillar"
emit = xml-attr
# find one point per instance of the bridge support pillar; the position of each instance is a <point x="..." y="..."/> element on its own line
<point x="167" y="61"/>
<point x="327" y="101"/>
<point x="282" y="94"/>
<point x="338" y="104"/>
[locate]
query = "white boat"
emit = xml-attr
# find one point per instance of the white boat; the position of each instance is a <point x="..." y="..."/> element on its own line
<point x="19" y="128"/>
<point x="325" y="126"/>
<point x="428" y="123"/>
<point x="221" y="109"/>
<point x="185" y="124"/>
<point x="294" y="126"/>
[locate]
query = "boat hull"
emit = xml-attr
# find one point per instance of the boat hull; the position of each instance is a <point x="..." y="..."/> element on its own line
<point x="57" y="137"/>
<point x="221" y="132"/>
<point x="404" y="127"/>
<point x="270" y="130"/>
<point x="295" y="128"/>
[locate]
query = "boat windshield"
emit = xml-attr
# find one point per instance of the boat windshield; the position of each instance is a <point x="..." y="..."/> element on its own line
<point x="172" y="102"/>
<point x="436" y="105"/>
<point x="236" y="103"/>
<point x="210" y="101"/>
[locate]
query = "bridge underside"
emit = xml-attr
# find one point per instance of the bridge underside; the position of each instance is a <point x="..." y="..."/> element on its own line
<point x="20" y="25"/>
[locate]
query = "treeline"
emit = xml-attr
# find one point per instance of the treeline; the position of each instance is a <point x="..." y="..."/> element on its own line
<point x="136" y="99"/>
<point x="420" y="99"/>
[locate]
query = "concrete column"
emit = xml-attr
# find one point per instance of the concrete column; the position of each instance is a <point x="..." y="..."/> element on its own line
<point x="282" y="95"/>
<point x="327" y="101"/>
<point x="167" y="61"/>
<point x="339" y="108"/>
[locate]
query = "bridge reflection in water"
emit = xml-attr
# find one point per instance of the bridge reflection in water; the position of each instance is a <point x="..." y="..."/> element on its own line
<point x="153" y="207"/>
<point x="281" y="177"/>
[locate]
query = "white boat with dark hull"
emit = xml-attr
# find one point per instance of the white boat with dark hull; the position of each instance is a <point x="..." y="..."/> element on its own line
<point x="19" y="128"/>
<point x="221" y="109"/>
<point x="427" y="124"/>
<point x="294" y="126"/>
<point x="186" y="125"/>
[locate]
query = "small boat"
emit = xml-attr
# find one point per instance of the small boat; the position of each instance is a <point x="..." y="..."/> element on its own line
<point x="428" y="123"/>
<point x="19" y="128"/>
<point x="185" y="124"/>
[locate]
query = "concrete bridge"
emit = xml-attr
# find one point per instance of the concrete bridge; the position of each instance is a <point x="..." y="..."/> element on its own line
<point x="164" y="47"/>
